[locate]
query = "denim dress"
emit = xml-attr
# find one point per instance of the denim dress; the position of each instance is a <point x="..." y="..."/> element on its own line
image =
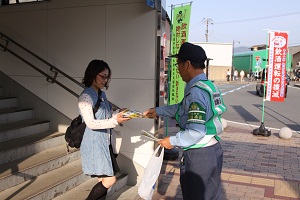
<point x="94" y="149"/>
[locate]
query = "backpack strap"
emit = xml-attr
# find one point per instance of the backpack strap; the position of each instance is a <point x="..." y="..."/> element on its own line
<point x="97" y="105"/>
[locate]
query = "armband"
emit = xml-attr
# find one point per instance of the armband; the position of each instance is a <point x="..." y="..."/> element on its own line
<point x="197" y="114"/>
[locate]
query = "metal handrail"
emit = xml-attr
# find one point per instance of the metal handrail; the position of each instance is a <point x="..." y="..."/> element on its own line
<point x="52" y="67"/>
<point x="8" y="39"/>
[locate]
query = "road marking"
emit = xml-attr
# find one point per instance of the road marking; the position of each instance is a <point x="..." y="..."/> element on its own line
<point x="235" y="89"/>
<point x="295" y="87"/>
<point x="251" y="125"/>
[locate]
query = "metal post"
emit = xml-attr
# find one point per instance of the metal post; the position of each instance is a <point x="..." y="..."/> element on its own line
<point x="207" y="64"/>
<point x="262" y="130"/>
<point x="170" y="154"/>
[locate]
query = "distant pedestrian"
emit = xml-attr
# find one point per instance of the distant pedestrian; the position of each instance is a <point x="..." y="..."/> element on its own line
<point x="242" y="75"/>
<point x="228" y="75"/>
<point x="235" y="74"/>
<point x="252" y="77"/>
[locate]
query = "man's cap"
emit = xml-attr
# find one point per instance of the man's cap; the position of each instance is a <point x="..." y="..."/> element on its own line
<point x="191" y="52"/>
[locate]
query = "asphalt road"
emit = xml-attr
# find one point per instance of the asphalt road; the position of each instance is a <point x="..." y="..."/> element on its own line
<point x="244" y="106"/>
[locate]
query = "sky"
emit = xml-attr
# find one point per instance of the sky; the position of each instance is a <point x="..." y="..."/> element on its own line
<point x="245" y="23"/>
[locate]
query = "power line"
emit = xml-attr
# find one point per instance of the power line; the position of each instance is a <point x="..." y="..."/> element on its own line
<point x="207" y="22"/>
<point x="259" y="18"/>
<point x="253" y="19"/>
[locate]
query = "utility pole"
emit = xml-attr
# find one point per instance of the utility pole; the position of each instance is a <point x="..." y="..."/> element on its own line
<point x="232" y="72"/>
<point x="207" y="21"/>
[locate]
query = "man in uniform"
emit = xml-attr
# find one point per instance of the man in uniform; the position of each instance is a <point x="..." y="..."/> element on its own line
<point x="198" y="116"/>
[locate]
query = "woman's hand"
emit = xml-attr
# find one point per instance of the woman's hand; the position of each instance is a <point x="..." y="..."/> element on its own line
<point x="151" y="113"/>
<point x="121" y="119"/>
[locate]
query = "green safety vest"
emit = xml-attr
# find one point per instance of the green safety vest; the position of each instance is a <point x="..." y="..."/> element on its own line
<point x="213" y="125"/>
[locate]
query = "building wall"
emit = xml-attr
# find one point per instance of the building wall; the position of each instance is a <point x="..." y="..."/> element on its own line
<point x="243" y="61"/>
<point x="221" y="55"/>
<point x="71" y="33"/>
<point x="218" y="73"/>
<point x="295" y="64"/>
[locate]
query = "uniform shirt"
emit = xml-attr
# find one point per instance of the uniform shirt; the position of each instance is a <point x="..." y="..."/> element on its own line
<point x="191" y="133"/>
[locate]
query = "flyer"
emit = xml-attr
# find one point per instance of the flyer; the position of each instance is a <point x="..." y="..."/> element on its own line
<point x="150" y="136"/>
<point x="132" y="114"/>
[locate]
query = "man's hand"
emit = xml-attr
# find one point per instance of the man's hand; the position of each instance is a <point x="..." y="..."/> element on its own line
<point x="166" y="143"/>
<point x="151" y="113"/>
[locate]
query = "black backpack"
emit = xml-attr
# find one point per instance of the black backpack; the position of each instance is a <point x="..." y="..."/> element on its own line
<point x="75" y="131"/>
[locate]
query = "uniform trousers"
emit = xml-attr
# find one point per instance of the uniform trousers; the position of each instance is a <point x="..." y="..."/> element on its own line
<point x="200" y="173"/>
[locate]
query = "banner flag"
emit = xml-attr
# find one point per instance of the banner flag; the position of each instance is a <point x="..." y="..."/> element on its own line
<point x="180" y="31"/>
<point x="276" y="77"/>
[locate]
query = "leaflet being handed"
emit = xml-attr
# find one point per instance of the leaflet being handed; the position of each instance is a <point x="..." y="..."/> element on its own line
<point x="150" y="136"/>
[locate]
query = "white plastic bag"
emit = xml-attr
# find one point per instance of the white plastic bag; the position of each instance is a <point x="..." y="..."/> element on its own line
<point x="147" y="185"/>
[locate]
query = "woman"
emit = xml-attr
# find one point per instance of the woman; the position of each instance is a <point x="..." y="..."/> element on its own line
<point x="96" y="155"/>
<point x="242" y="74"/>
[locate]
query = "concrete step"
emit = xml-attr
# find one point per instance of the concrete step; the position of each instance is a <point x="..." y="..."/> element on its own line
<point x="8" y="115"/>
<point x="34" y="162"/>
<point x="19" y="148"/>
<point x="18" y="171"/>
<point x="8" y="102"/>
<point x="22" y="128"/>
<point x="83" y="190"/>
<point x="49" y="185"/>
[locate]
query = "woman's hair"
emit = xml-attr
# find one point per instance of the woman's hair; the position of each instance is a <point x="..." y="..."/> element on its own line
<point x="93" y="69"/>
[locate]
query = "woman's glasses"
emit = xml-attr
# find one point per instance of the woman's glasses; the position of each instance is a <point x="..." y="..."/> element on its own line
<point x="103" y="77"/>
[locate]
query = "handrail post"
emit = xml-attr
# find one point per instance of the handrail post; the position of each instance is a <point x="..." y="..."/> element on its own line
<point x="6" y="43"/>
<point x="54" y="77"/>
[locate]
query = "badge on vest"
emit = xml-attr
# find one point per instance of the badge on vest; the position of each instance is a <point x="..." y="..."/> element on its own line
<point x="217" y="98"/>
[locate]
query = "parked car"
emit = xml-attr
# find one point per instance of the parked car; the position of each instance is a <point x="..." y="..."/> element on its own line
<point x="261" y="80"/>
<point x="296" y="74"/>
<point x="288" y="79"/>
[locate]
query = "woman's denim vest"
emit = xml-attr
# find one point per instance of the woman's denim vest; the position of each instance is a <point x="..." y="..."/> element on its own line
<point x="95" y="155"/>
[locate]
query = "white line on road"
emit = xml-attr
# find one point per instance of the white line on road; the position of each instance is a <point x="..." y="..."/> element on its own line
<point x="251" y="125"/>
<point x="235" y="89"/>
<point x="295" y="87"/>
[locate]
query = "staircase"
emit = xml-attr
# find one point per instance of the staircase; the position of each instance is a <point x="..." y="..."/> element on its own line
<point x="34" y="163"/>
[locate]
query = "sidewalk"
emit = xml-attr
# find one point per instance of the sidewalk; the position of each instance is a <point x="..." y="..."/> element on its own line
<point x="254" y="167"/>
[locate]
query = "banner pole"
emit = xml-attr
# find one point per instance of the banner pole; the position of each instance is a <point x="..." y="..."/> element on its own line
<point x="262" y="130"/>
<point x="265" y="80"/>
<point x="169" y="68"/>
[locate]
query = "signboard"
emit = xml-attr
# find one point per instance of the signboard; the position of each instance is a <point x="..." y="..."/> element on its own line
<point x="277" y="66"/>
<point x="180" y="29"/>
<point x="257" y="64"/>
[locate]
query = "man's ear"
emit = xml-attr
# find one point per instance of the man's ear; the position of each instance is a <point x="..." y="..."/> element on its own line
<point x="189" y="64"/>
